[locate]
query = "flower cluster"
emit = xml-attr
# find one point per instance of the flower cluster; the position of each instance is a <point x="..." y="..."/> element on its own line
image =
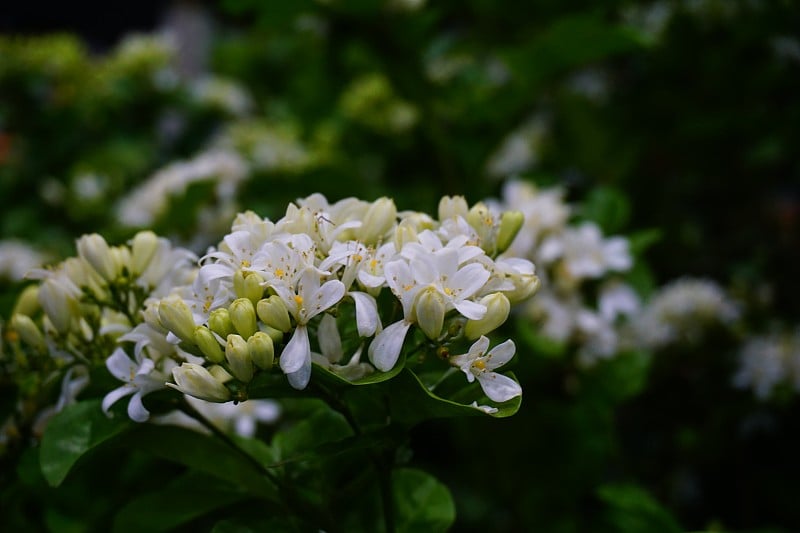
<point x="323" y="283"/>
<point x="341" y="285"/>
<point x="682" y="310"/>
<point x="569" y="257"/>
<point x="769" y="361"/>
<point x="87" y="307"/>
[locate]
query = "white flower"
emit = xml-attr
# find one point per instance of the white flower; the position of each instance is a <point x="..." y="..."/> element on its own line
<point x="305" y="301"/>
<point x="584" y="252"/>
<point x="476" y="363"/>
<point x="140" y="376"/>
<point x="617" y="299"/>
<point x="17" y="258"/>
<point x="330" y="345"/>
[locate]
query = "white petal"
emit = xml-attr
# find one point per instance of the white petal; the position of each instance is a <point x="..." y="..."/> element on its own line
<point x="121" y="366"/>
<point x="471" y="310"/>
<point x="112" y="397"/>
<point x="501" y="354"/>
<point x="330" y="342"/>
<point x="296" y="352"/>
<point x="300" y="378"/>
<point x="469" y="279"/>
<point x="498" y="387"/>
<point x="370" y="281"/>
<point x="136" y="409"/>
<point x="325" y="297"/>
<point x="385" y="348"/>
<point x="366" y="313"/>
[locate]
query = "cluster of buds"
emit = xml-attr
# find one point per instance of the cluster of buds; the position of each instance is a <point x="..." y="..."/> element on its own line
<point x="83" y="307"/>
<point x="331" y="283"/>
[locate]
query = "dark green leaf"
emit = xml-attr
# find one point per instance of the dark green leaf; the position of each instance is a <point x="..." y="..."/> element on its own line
<point x="421" y="502"/>
<point x="73" y="432"/>
<point x="205" y="454"/>
<point x="186" y="498"/>
<point x="631" y="509"/>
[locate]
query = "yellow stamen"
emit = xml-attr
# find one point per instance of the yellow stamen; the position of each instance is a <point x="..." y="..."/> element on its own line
<point x="279" y="273"/>
<point x="298" y="300"/>
<point x="480" y="365"/>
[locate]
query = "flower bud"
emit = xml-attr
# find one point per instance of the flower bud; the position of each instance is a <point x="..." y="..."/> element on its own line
<point x="275" y="334"/>
<point x="219" y="373"/>
<point x="219" y="321"/>
<point x="121" y="255"/>
<point x="482" y="221"/>
<point x="404" y="234"/>
<point x="243" y="317"/>
<point x="238" y="356"/>
<point x="378" y="220"/>
<point x="510" y="224"/>
<point x="452" y="206"/>
<point x="176" y="316"/>
<point x="207" y="342"/>
<point x="58" y="304"/>
<point x="497" y="309"/>
<point x="262" y="351"/>
<point x="95" y="250"/>
<point x="525" y="285"/>
<point x="28" y="331"/>
<point x="430" y="308"/>
<point x="196" y="380"/>
<point x="144" y="247"/>
<point x="28" y="302"/>
<point x="272" y="312"/>
<point x="253" y="290"/>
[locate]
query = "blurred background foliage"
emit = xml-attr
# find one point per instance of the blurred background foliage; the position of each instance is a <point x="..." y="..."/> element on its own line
<point x="675" y="122"/>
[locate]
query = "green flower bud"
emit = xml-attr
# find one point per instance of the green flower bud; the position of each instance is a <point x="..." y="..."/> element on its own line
<point x="28" y="302"/>
<point x="28" y="331"/>
<point x="243" y="317"/>
<point x="272" y="312"/>
<point x="207" y="342"/>
<point x="262" y="350"/>
<point x="95" y="250"/>
<point x="510" y="224"/>
<point x="238" y="283"/>
<point x="430" y="309"/>
<point x="176" y="317"/>
<point x="238" y="356"/>
<point x="275" y="334"/>
<point x="497" y="309"/>
<point x="144" y="247"/>
<point x="196" y="380"/>
<point x="219" y="373"/>
<point x="253" y="290"/>
<point x="219" y="321"/>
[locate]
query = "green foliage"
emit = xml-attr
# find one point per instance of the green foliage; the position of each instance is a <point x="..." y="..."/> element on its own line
<point x="74" y="432"/>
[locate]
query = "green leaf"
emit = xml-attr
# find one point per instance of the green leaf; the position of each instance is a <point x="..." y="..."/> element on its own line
<point x="632" y="509"/>
<point x="411" y="402"/>
<point x="204" y="454"/>
<point x="608" y="207"/>
<point x="186" y="498"/>
<point x="421" y="502"/>
<point x="72" y="433"/>
<point x="323" y="426"/>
